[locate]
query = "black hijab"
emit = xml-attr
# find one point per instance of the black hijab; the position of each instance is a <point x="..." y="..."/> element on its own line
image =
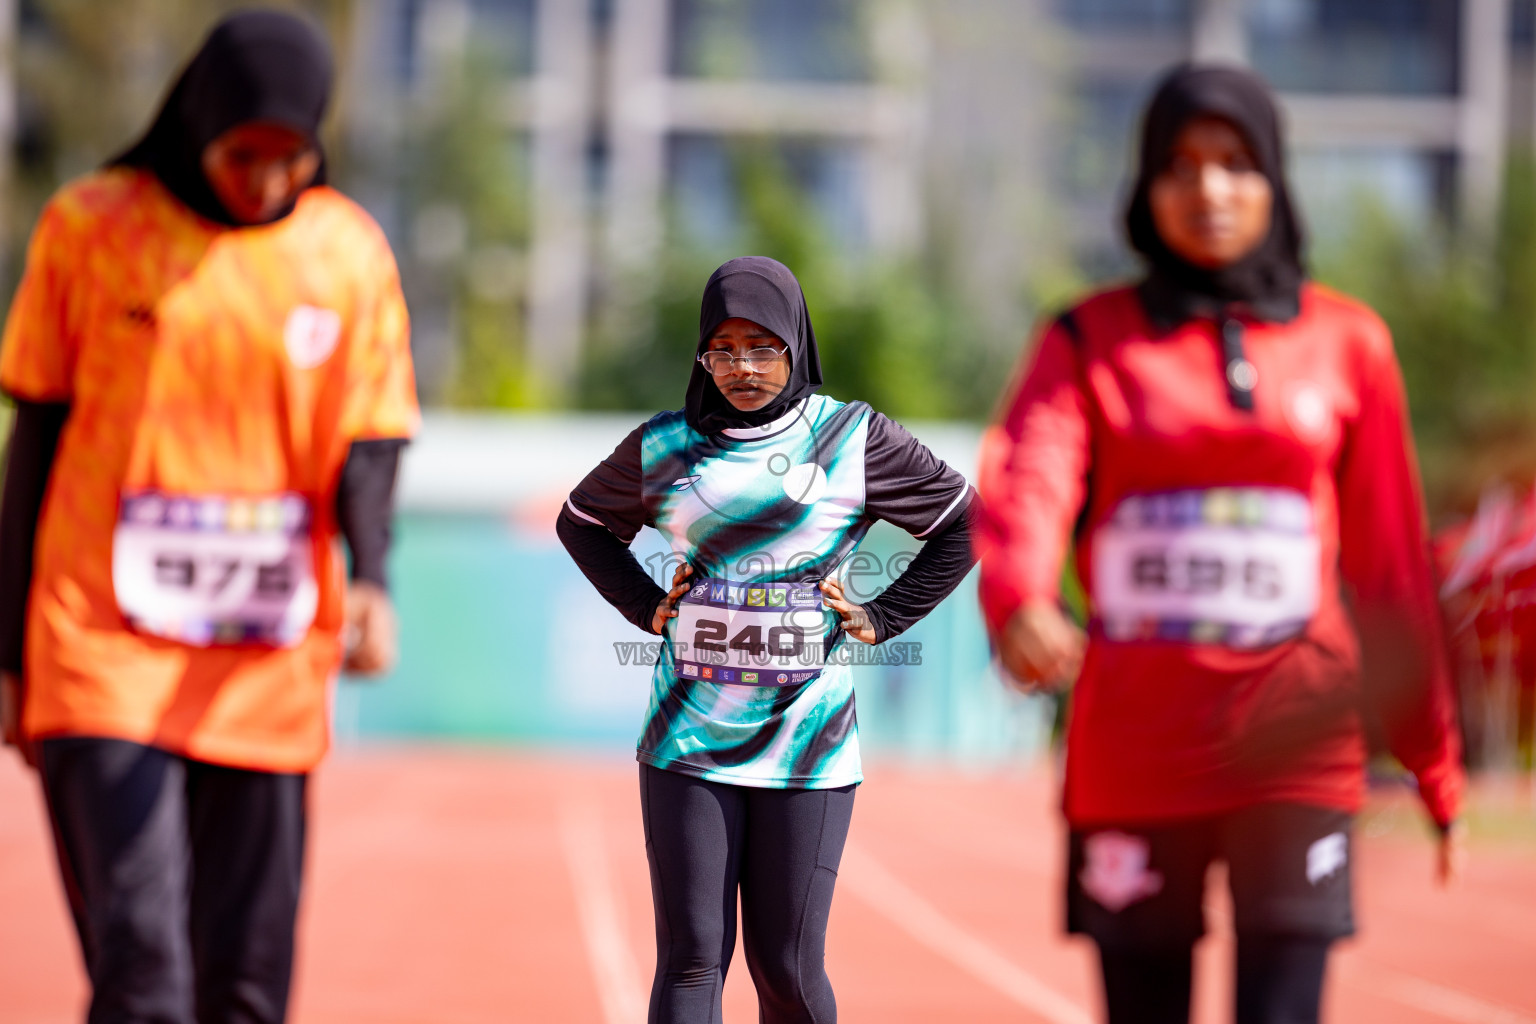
<point x="254" y="66"/>
<point x="1266" y="283"/>
<point x="764" y="291"/>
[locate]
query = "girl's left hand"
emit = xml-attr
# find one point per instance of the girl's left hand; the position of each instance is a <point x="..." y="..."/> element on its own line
<point x="1451" y="857"/>
<point x="369" y="634"/>
<point x="855" y="622"/>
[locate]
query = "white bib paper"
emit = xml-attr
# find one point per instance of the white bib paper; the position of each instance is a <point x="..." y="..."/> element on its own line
<point x="750" y="634"/>
<point x="213" y="570"/>
<point x="1239" y="567"/>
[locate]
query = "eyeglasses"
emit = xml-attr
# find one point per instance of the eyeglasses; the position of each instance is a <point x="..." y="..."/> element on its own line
<point x="757" y="360"/>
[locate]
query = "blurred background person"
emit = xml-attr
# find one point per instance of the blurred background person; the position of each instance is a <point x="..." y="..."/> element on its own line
<point x="210" y="358"/>
<point x="1227" y="445"/>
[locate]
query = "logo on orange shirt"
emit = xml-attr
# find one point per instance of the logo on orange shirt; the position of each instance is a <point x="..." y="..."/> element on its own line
<point x="310" y="335"/>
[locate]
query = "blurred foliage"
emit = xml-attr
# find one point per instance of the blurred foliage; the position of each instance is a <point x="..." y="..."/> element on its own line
<point x="1462" y="310"/>
<point x="466" y="181"/>
<point x="888" y="330"/>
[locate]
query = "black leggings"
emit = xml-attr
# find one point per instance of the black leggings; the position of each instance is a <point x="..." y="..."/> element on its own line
<point x="782" y="848"/>
<point x="183" y="879"/>
<point x="1279" y="981"/>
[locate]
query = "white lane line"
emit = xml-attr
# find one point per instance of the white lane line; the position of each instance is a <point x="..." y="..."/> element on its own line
<point x="1442" y="1001"/>
<point x="614" y="969"/>
<point x="913" y="914"/>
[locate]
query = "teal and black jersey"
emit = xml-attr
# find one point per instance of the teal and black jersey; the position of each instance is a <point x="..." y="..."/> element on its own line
<point x="751" y="689"/>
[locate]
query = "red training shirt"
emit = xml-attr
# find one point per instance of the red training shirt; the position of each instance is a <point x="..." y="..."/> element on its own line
<point x="1225" y="665"/>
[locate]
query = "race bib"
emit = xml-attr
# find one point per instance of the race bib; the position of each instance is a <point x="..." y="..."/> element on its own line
<point x="750" y="634"/>
<point x="1236" y="567"/>
<point x="214" y="570"/>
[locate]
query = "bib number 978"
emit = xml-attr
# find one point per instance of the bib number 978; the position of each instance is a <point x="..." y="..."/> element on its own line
<point x="206" y="570"/>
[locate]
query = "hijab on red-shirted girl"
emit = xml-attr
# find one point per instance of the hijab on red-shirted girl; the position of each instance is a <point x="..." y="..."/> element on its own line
<point x="1264" y="284"/>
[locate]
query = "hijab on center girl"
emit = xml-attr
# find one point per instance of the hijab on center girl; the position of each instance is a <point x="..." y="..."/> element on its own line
<point x="765" y="292"/>
<point x="254" y="66"/>
<point x="1266" y="283"/>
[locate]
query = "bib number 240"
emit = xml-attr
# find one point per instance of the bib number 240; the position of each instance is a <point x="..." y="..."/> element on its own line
<point x="781" y="642"/>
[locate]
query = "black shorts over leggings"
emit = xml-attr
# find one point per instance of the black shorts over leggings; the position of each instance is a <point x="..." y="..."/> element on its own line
<point x="1137" y="890"/>
<point x="1140" y="885"/>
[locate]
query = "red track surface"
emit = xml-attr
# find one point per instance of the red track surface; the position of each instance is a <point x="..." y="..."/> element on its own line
<point x="460" y="887"/>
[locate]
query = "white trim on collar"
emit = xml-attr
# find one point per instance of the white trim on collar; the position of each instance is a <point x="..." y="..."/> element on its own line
<point x="771" y="427"/>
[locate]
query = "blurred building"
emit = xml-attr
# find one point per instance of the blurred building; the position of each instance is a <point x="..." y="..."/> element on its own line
<point x="997" y="128"/>
<point x="622" y="109"/>
<point x="1411" y="101"/>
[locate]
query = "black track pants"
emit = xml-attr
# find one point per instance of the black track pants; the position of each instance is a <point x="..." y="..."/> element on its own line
<point x="183" y="879"/>
<point x="781" y="847"/>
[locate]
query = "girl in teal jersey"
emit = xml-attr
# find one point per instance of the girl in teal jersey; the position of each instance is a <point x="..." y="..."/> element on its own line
<point x="749" y="753"/>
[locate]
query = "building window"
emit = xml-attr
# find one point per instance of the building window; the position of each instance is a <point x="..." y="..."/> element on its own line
<point x="1356" y="46"/>
<point x="711" y="175"/>
<point x="503" y="31"/>
<point x="1333" y="186"/>
<point x="1104" y="117"/>
<point x="1127" y="15"/>
<point x="799" y="40"/>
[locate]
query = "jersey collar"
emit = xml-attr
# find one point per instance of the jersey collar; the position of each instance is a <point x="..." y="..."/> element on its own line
<point x="776" y="426"/>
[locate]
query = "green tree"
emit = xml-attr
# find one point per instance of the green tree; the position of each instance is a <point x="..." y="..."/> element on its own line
<point x="464" y="187"/>
<point x="1463" y="316"/>
<point x="888" y="330"/>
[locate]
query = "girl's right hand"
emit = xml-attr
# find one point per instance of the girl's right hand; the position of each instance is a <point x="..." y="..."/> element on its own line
<point x="667" y="609"/>
<point x="1041" y="647"/>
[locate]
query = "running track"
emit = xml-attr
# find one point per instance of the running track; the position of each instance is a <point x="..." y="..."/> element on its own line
<point x="470" y="887"/>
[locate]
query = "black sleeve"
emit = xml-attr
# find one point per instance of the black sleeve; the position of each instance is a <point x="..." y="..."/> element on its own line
<point x="905" y="483"/>
<point x="365" y="505"/>
<point x="936" y="571"/>
<point x="610" y="495"/>
<point x="34" y="443"/>
<point x="597" y="524"/>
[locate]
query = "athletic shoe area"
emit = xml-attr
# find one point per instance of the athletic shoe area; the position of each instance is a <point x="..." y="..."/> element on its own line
<point x="459" y="886"/>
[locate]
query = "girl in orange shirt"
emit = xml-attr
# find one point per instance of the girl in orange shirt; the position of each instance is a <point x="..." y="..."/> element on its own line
<point x="209" y="352"/>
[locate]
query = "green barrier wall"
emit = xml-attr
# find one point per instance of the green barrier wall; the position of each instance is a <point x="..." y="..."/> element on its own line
<point x="503" y="640"/>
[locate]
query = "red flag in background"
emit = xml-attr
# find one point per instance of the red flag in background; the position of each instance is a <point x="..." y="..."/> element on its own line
<point x="1488" y="568"/>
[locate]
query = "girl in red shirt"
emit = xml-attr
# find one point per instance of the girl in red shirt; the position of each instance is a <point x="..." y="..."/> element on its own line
<point x="1226" y="444"/>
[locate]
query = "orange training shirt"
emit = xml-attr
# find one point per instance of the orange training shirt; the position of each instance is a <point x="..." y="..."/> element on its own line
<point x="216" y="379"/>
